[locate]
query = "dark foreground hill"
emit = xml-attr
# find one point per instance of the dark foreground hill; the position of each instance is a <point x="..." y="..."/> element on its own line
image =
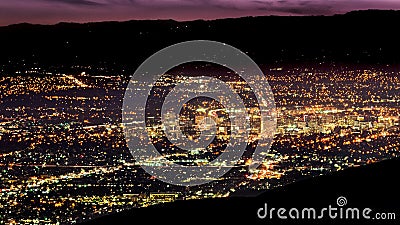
<point x="373" y="186"/>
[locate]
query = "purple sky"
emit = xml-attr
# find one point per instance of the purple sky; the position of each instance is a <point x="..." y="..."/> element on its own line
<point x="54" y="11"/>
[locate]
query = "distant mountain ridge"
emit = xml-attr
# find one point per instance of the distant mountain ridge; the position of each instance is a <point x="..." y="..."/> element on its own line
<point x="369" y="12"/>
<point x="366" y="37"/>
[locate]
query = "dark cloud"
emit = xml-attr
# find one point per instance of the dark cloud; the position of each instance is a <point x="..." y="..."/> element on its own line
<point x="306" y="10"/>
<point x="295" y="7"/>
<point x="76" y="2"/>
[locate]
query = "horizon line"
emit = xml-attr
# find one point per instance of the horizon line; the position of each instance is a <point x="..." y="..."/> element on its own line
<point x="194" y="20"/>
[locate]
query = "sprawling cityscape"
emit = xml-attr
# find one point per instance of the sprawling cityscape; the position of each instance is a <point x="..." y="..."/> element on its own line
<point x="64" y="157"/>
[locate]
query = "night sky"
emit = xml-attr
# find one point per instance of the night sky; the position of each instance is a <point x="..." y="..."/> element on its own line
<point x="54" y="11"/>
